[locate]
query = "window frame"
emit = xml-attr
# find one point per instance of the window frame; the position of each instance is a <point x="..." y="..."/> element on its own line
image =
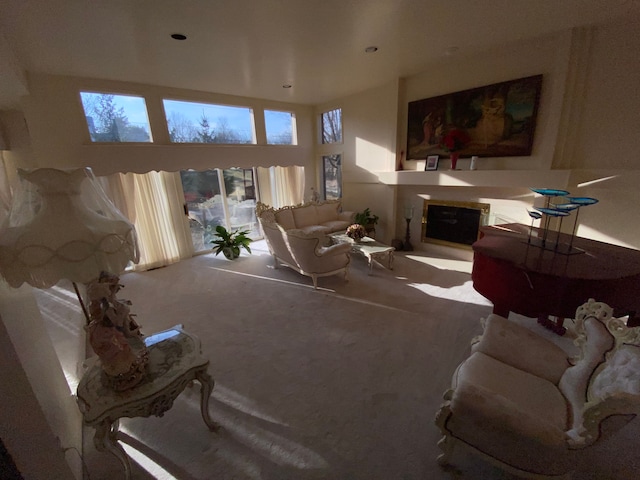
<point x="322" y="130"/>
<point x="251" y="109"/>
<point x="294" y="127"/>
<point x="324" y="158"/>
<point x="88" y="135"/>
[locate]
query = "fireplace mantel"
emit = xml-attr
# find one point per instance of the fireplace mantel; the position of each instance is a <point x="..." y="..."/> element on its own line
<point x="478" y="178"/>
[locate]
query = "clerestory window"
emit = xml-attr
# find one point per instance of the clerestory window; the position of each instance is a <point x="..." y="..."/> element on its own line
<point x="191" y="122"/>
<point x="116" y="118"/>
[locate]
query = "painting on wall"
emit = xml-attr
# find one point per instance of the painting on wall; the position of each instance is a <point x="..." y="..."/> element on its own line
<point x="495" y="121"/>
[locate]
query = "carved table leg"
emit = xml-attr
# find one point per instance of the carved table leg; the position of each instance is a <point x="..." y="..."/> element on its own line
<point x="206" y="386"/>
<point x="446" y="444"/>
<point x="370" y="260"/>
<point x="106" y="438"/>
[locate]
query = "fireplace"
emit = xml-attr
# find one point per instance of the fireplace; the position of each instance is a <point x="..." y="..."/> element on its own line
<point x="455" y="224"/>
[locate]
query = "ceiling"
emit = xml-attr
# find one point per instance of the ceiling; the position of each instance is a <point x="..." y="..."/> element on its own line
<point x="253" y="47"/>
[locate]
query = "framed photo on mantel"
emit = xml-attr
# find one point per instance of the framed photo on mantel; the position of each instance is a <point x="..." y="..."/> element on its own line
<point x="432" y="162"/>
<point x="497" y="120"/>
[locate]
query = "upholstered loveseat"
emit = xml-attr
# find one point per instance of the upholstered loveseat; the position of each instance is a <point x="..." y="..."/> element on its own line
<point x="521" y="403"/>
<point x="310" y="218"/>
<point x="305" y="249"/>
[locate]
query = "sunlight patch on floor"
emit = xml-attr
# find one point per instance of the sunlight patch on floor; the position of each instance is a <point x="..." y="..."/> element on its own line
<point x="146" y="463"/>
<point x="241" y="403"/>
<point x="456" y="293"/>
<point x="463" y="266"/>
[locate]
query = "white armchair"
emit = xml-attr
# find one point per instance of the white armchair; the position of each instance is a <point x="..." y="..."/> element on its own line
<point x="520" y="403"/>
<point x="304" y="252"/>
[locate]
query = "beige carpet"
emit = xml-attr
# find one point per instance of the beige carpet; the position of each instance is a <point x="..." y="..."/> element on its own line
<point x="337" y="383"/>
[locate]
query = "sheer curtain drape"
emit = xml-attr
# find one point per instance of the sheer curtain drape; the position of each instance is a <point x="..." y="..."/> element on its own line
<point x="153" y="202"/>
<point x="280" y="186"/>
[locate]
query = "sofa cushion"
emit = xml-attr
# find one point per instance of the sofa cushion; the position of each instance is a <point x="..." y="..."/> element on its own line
<point x="316" y="230"/>
<point x="521" y="348"/>
<point x="336" y="226"/>
<point x="326" y="212"/>
<point x="507" y="413"/>
<point x="305" y="216"/>
<point x="285" y="218"/>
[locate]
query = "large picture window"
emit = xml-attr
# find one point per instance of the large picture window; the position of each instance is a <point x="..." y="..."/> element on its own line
<point x="332" y="173"/>
<point x="116" y="118"/>
<point x="219" y="197"/>
<point x="191" y="122"/>
<point x="332" y="126"/>
<point x="280" y="127"/>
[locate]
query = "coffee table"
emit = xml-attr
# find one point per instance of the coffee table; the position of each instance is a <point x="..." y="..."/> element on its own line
<point x="372" y="250"/>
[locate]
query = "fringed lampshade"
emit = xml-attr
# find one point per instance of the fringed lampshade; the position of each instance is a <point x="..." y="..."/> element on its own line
<point x="62" y="226"/>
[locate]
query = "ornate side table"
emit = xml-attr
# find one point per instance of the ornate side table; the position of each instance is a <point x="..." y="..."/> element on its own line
<point x="175" y="361"/>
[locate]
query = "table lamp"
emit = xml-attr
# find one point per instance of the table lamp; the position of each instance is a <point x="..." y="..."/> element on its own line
<point x="63" y="226"/>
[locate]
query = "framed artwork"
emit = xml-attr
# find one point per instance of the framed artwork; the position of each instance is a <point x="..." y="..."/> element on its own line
<point x="495" y="120"/>
<point x="432" y="162"/>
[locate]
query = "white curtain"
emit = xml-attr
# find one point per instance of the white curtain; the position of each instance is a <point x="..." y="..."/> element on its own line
<point x="153" y="203"/>
<point x="280" y="186"/>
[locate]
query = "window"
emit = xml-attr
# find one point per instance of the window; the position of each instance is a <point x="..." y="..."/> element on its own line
<point x="281" y="128"/>
<point x="116" y="118"/>
<point x="332" y="173"/>
<point x="190" y="122"/>
<point x="332" y="126"/>
<point x="209" y="203"/>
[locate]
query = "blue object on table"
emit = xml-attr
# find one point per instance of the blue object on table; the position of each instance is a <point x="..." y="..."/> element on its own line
<point x="552" y="212"/>
<point x="550" y="192"/>
<point x="583" y="200"/>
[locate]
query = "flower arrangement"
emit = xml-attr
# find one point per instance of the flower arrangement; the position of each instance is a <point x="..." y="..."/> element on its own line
<point x="455" y="139"/>
<point x="356" y="231"/>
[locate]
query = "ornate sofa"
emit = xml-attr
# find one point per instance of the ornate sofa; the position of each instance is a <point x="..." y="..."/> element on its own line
<point x="310" y="218"/>
<point x="520" y="403"/>
<point x="303" y="249"/>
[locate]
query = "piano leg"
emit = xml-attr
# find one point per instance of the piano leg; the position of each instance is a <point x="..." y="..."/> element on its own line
<point x="556" y="327"/>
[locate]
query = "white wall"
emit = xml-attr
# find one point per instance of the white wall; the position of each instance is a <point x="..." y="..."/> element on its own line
<point x="585" y="136"/>
<point x="35" y="432"/>
<point x="369" y="132"/>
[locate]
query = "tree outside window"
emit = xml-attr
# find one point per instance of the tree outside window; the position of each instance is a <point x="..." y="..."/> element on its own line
<point x="332" y="173"/>
<point x="332" y="126"/>
<point x="116" y="118"/>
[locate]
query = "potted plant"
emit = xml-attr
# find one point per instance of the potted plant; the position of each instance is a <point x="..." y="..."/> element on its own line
<point x="229" y="243"/>
<point x="367" y="220"/>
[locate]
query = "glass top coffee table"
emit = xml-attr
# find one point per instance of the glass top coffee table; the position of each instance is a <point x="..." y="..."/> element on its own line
<point x="372" y="250"/>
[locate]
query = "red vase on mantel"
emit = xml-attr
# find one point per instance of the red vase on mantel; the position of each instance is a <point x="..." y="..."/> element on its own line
<point x="454" y="160"/>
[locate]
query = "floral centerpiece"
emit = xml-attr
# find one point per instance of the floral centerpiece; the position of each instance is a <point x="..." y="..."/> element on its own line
<point x="356" y="231"/>
<point x="455" y="139"/>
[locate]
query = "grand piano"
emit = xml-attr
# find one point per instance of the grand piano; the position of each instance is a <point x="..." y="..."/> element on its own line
<point x="517" y="275"/>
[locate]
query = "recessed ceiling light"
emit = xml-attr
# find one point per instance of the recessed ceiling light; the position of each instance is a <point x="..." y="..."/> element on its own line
<point x="286" y="85"/>
<point x="178" y="36"/>
<point x="371" y="49"/>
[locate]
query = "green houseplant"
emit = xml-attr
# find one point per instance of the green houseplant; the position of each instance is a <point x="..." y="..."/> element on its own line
<point x="229" y="243"/>
<point x="367" y="219"/>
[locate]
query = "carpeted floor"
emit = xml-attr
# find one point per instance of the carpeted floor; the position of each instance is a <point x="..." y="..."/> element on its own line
<point x="339" y="383"/>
